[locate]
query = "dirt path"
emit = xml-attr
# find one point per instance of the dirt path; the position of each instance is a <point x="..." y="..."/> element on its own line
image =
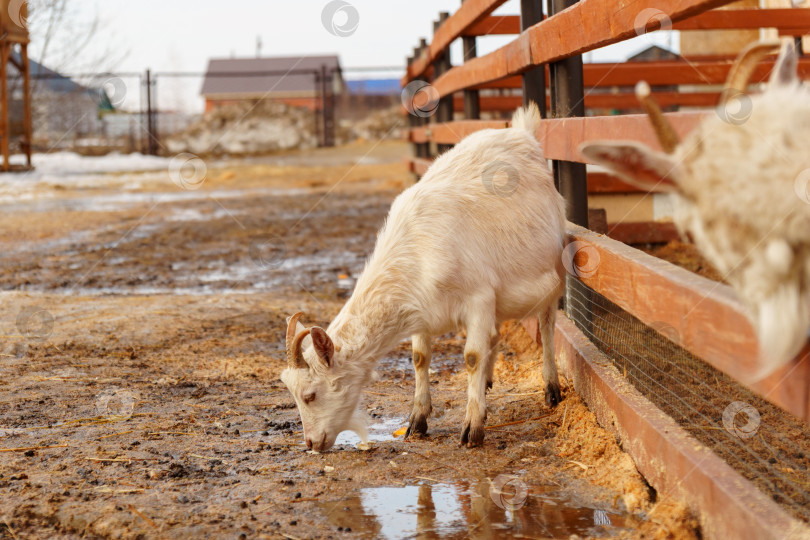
<point x="142" y="347"/>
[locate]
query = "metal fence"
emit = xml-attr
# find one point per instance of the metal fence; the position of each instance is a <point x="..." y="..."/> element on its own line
<point x="101" y="112"/>
<point x="770" y="449"/>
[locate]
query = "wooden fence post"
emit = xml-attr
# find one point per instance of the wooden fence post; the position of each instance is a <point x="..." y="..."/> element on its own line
<point x="444" y="113"/>
<point x="4" y="53"/>
<point x="27" y="121"/>
<point x="412" y="120"/>
<point x="422" y="149"/>
<point x="567" y="99"/>
<point x="534" y="80"/>
<point x="472" y="103"/>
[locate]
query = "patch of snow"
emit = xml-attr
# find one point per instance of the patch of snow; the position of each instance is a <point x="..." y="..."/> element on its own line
<point x="113" y="202"/>
<point x="231" y="273"/>
<point x="68" y="163"/>
<point x="150" y="291"/>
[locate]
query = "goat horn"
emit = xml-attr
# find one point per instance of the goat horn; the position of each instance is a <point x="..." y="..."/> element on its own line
<point x="294" y="357"/>
<point x="745" y="64"/>
<point x="291" y="324"/>
<point x="663" y="129"/>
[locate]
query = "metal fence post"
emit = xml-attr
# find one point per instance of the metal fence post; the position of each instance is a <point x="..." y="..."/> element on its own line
<point x="534" y="80"/>
<point x="327" y="109"/>
<point x="567" y="100"/>
<point x="316" y="108"/>
<point x="156" y="115"/>
<point x="151" y="147"/>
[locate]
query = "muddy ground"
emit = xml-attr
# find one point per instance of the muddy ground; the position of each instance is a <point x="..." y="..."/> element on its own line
<point x="142" y="345"/>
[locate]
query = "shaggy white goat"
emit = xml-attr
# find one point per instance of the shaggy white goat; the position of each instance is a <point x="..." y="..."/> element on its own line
<point x="461" y="248"/>
<point x="740" y="187"/>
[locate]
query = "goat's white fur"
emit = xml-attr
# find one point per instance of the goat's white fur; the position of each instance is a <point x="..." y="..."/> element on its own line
<point x="735" y="191"/>
<point x="452" y="254"/>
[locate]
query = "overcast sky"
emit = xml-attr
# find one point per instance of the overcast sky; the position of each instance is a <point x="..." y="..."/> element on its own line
<point x="182" y="35"/>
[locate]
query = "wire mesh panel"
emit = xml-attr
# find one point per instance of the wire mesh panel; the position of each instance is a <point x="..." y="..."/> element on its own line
<point x="763" y="443"/>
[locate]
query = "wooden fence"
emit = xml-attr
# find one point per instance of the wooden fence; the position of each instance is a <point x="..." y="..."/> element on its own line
<point x="544" y="61"/>
<point x="534" y="56"/>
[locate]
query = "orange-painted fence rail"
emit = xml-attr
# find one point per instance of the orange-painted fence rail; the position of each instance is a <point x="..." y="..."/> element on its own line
<point x="561" y="137"/>
<point x="695" y="71"/>
<point x="788" y="21"/>
<point x="585" y="26"/>
<point x="544" y="61"/>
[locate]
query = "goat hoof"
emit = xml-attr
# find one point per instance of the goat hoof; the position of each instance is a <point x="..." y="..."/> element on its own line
<point x="553" y="394"/>
<point x="472" y="436"/>
<point x="417" y="426"/>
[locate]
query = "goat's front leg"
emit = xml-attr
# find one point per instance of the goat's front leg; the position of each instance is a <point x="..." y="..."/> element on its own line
<point x="421" y="398"/>
<point x="547" y="319"/>
<point x="477" y="357"/>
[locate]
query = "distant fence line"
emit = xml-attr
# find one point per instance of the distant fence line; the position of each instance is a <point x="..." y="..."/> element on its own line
<point x="147" y="121"/>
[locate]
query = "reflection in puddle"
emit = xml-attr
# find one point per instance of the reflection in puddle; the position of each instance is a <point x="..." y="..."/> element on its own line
<point x="465" y="511"/>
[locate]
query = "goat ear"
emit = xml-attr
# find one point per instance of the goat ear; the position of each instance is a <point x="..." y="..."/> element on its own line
<point x="323" y="345"/>
<point x="634" y="163"/>
<point x="785" y="70"/>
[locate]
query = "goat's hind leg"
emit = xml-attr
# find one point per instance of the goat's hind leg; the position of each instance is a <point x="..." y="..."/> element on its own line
<point x="477" y="357"/>
<point x="417" y="423"/>
<point x="492" y="357"/>
<point x="547" y="319"/>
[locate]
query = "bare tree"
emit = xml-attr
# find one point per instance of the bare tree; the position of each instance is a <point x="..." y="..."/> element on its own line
<point x="67" y="38"/>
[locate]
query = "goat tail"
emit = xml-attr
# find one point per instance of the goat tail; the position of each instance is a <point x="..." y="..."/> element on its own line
<point x="527" y="118"/>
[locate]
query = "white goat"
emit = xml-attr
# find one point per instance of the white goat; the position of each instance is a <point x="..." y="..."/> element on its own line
<point x="741" y="192"/>
<point x="456" y="251"/>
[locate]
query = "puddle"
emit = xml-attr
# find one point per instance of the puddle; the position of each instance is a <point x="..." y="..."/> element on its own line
<point x="381" y="431"/>
<point x="475" y="510"/>
<point x="203" y="277"/>
<point x="443" y="362"/>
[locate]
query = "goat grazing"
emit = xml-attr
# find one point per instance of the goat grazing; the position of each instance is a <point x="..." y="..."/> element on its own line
<point x="456" y="251"/>
<point x="740" y="188"/>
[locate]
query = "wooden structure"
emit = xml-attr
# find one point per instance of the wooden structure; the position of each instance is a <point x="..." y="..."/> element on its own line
<point x="13" y="33"/>
<point x="707" y="318"/>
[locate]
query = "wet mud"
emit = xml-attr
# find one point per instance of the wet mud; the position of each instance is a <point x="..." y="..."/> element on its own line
<point x="142" y="346"/>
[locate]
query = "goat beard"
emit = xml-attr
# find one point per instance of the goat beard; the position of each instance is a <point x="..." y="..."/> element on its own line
<point x="782" y="320"/>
